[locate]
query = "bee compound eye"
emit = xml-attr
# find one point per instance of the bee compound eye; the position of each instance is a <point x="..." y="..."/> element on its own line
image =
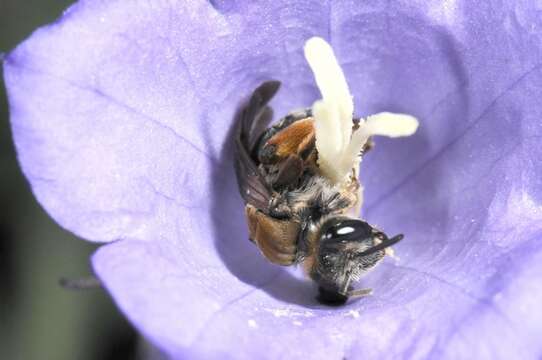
<point x="344" y="230"/>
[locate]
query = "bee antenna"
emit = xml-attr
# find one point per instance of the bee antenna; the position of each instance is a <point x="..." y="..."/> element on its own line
<point x="384" y="244"/>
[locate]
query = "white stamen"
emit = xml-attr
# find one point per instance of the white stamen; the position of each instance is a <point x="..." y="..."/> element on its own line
<point x="332" y="114"/>
<point x="339" y="149"/>
<point x="385" y="124"/>
<point x="391" y="125"/>
<point x="332" y="83"/>
<point x="326" y="126"/>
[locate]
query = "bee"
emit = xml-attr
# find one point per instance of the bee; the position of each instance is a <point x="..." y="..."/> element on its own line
<point x="299" y="181"/>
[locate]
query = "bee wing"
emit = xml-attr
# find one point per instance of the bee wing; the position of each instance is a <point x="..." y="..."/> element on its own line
<point x="261" y="123"/>
<point x="252" y="121"/>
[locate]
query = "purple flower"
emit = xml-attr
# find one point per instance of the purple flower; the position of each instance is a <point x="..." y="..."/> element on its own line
<point x="122" y="113"/>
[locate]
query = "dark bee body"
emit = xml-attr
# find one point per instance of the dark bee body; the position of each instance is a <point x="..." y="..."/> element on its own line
<point x="296" y="215"/>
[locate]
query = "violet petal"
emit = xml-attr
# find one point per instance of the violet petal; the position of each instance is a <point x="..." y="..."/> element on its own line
<point x="121" y="113"/>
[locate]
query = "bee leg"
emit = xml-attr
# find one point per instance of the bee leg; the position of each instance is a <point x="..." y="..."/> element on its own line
<point x="279" y="207"/>
<point x="360" y="293"/>
<point x="302" y="241"/>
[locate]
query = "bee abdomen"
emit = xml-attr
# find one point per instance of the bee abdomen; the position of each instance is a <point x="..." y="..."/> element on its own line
<point x="275" y="238"/>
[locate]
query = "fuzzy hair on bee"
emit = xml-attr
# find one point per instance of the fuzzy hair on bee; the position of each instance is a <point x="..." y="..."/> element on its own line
<point x="299" y="180"/>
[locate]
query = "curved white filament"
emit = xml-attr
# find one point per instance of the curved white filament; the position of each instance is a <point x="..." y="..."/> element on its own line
<point x="337" y="145"/>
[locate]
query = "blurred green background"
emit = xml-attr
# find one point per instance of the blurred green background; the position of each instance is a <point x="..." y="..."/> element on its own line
<point x="38" y="319"/>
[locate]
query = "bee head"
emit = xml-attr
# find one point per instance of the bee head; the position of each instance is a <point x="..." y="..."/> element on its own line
<point x="348" y="248"/>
